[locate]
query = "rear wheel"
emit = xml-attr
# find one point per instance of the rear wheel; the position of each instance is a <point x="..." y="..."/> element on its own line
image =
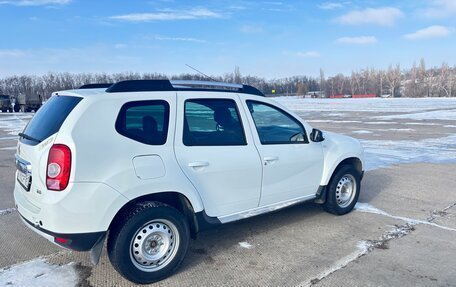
<point x="343" y="190"/>
<point x="150" y="243"/>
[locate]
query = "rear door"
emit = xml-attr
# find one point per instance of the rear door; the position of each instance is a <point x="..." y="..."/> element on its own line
<point x="217" y="153"/>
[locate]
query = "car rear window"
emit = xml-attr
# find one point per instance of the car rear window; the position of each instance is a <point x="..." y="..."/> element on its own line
<point x="49" y="118"/>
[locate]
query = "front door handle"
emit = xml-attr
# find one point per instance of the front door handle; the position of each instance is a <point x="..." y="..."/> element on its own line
<point x="197" y="164"/>
<point x="270" y="159"/>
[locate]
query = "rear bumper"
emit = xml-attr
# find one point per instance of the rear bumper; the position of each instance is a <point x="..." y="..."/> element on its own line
<point x="75" y="241"/>
<point x="85" y="209"/>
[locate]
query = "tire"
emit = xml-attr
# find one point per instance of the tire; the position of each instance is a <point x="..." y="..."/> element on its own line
<point x="150" y="243"/>
<point x="343" y="190"/>
<point x="3" y="110"/>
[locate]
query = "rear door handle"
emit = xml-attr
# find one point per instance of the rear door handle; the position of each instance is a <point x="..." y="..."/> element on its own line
<point x="197" y="164"/>
<point x="270" y="159"/>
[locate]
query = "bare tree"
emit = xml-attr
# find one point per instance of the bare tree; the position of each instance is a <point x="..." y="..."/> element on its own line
<point x="393" y="76"/>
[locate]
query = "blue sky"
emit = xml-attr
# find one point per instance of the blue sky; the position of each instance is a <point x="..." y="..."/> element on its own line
<point x="271" y="39"/>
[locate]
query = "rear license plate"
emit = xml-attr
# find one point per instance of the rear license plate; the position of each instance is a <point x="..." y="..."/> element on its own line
<point x="24" y="180"/>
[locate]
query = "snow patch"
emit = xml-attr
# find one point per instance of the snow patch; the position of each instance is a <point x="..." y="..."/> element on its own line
<point x="421" y="124"/>
<point x="15" y="123"/>
<point x="367" y="208"/>
<point x="380" y="123"/>
<point x="38" y="273"/>
<point x="7" y="211"/>
<point x="444" y="115"/>
<point x="383" y="153"/>
<point x="9" y="148"/>
<point x="362" y="248"/>
<point x="361" y="132"/>
<point x="404" y="105"/>
<point x="245" y="244"/>
<point x="449" y="126"/>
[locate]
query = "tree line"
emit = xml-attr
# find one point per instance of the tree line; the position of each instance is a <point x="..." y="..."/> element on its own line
<point x="417" y="81"/>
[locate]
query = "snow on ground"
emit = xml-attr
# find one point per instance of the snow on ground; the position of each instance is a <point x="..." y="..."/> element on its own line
<point x="445" y="115"/>
<point x="383" y="153"/>
<point x="6" y="211"/>
<point x="38" y="273"/>
<point x="367" y="105"/>
<point x="361" y="132"/>
<point x="245" y="244"/>
<point x="14" y="123"/>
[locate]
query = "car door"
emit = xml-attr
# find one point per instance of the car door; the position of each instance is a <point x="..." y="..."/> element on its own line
<point x="216" y="153"/>
<point x="292" y="166"/>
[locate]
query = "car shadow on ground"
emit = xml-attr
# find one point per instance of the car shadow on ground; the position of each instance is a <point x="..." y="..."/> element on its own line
<point x="373" y="183"/>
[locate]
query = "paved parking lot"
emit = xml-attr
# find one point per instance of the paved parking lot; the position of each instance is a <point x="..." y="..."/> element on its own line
<point x="401" y="233"/>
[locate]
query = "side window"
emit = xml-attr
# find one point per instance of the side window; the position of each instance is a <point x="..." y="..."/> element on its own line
<point x="144" y="121"/>
<point x="275" y="126"/>
<point x="212" y="122"/>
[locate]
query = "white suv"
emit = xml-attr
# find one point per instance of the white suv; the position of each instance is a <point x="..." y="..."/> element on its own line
<point x="148" y="164"/>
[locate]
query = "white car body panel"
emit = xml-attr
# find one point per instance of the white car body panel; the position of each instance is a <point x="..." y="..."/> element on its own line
<point x="290" y="171"/>
<point x="238" y="167"/>
<point x="109" y="170"/>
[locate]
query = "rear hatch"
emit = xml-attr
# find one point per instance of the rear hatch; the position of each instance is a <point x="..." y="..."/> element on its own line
<point x="35" y="142"/>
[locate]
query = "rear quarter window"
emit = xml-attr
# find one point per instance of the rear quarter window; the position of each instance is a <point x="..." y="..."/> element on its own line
<point x="49" y="118"/>
<point x="144" y="121"/>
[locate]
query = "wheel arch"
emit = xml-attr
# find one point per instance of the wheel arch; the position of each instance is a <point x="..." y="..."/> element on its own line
<point x="172" y="198"/>
<point x="351" y="160"/>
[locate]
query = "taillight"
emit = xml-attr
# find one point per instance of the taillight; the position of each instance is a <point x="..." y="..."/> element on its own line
<point x="58" y="167"/>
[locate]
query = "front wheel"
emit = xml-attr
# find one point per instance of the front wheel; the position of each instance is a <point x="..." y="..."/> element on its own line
<point x="343" y="190"/>
<point x="150" y="244"/>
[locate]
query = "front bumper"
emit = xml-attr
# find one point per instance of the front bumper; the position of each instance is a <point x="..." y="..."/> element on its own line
<point x="75" y="241"/>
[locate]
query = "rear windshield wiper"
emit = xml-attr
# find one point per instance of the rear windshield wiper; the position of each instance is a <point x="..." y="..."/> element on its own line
<point x="25" y="136"/>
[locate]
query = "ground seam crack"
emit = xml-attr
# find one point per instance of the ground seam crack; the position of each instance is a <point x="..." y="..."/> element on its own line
<point x="366" y="246"/>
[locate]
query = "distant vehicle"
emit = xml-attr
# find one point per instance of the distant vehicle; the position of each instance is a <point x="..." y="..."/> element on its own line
<point x="5" y="103"/>
<point x="27" y="103"/>
<point x="168" y="159"/>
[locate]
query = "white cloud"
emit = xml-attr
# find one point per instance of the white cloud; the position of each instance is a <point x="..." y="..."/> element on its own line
<point x="440" y="9"/>
<point x="120" y="46"/>
<point x="168" y="15"/>
<point x="182" y="39"/>
<point x="35" y="2"/>
<point x="308" y="54"/>
<point x="251" y="29"/>
<point x="361" y="40"/>
<point x="6" y="53"/>
<point x="330" y="5"/>
<point x="386" y="16"/>
<point x="429" y="32"/>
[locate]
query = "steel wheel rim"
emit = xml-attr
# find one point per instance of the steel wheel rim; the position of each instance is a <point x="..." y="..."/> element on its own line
<point x="154" y="245"/>
<point x="345" y="190"/>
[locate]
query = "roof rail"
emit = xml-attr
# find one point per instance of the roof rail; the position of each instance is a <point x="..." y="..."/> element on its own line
<point x="180" y="85"/>
<point x="95" y="86"/>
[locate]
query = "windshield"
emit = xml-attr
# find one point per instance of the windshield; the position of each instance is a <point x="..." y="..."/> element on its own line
<point x="49" y="118"/>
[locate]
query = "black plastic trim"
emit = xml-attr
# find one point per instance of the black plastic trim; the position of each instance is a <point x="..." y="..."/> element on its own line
<point x="165" y="85"/>
<point x="95" y="86"/>
<point x="320" y="196"/>
<point x="205" y="221"/>
<point x="76" y="241"/>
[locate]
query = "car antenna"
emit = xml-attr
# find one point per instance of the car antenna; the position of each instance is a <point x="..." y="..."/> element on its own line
<point x="200" y="72"/>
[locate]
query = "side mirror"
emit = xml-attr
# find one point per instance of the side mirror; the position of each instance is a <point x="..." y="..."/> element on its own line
<point x="316" y="135"/>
